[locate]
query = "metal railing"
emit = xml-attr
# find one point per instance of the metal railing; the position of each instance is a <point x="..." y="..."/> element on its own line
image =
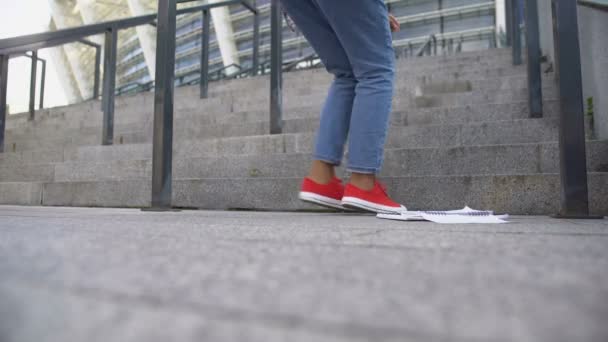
<point x="164" y="83"/>
<point x="429" y="48"/>
<point x="19" y="46"/>
<point x="572" y="139"/>
<point x="596" y="4"/>
<point x="33" y="76"/>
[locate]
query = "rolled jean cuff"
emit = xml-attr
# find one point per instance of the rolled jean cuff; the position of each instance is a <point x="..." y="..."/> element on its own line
<point x="332" y="161"/>
<point x="363" y="170"/>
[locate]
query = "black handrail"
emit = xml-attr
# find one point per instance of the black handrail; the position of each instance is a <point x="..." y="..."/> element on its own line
<point x="308" y="58"/>
<point x="572" y="141"/>
<point x="431" y="43"/>
<point x="599" y="5"/>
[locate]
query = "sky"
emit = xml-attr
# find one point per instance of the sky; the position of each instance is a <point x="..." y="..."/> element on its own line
<point x="21" y="17"/>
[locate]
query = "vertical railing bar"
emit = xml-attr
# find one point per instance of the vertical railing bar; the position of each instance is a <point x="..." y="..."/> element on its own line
<point x="162" y="149"/>
<point x="516" y="33"/>
<point x="205" y="37"/>
<point x="33" y="79"/>
<point x="97" y="72"/>
<point x="535" y="93"/>
<point x="509" y="22"/>
<point x="3" y="87"/>
<point x="276" y="72"/>
<point x="109" y="86"/>
<point x="573" y="160"/>
<point x="42" y="83"/>
<point x="255" y="65"/>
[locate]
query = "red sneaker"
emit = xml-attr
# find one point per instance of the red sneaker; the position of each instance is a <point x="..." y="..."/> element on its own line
<point x="327" y="195"/>
<point x="375" y="200"/>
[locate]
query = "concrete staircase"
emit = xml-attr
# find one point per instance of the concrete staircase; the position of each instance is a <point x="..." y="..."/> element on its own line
<point x="460" y="134"/>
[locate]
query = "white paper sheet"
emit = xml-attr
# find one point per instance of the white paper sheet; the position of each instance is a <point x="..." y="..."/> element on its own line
<point x="464" y="215"/>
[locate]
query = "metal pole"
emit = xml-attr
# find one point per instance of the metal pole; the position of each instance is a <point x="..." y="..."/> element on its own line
<point x="33" y="73"/>
<point x="516" y="33"/>
<point x="509" y="22"/>
<point x="109" y="86"/>
<point x="276" y="69"/>
<point x="535" y="92"/>
<point x="206" y="37"/>
<point x="255" y="62"/>
<point x="3" y="85"/>
<point x="42" y="84"/>
<point x="162" y="150"/>
<point x="441" y="18"/>
<point x="97" y="72"/>
<point x="573" y="160"/>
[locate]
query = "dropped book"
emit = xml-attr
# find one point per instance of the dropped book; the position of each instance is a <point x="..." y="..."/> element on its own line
<point x="465" y="215"/>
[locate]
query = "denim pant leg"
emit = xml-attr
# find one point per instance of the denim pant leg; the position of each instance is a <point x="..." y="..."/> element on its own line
<point x="336" y="113"/>
<point x="363" y="30"/>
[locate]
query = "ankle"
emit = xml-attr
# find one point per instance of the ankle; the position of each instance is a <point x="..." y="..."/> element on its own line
<point x="363" y="181"/>
<point x="321" y="172"/>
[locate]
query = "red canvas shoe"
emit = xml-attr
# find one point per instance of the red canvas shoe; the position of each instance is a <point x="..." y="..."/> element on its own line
<point x="375" y="200"/>
<point x="327" y="195"/>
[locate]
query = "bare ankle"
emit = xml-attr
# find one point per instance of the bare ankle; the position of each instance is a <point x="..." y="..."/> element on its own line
<point x="363" y="181"/>
<point x="321" y="172"/>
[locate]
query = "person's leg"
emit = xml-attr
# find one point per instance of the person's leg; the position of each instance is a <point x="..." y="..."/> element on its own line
<point x="363" y="29"/>
<point x="336" y="113"/>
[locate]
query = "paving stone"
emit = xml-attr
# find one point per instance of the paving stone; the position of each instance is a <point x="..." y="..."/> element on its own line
<point x="72" y="274"/>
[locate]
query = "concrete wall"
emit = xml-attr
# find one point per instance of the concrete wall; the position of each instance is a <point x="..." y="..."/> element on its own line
<point x="593" y="30"/>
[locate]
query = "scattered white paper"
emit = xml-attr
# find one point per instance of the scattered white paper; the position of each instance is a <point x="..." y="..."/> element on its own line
<point x="464" y="215"/>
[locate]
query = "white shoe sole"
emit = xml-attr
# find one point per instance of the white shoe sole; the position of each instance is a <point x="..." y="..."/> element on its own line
<point x="354" y="202"/>
<point x="321" y="200"/>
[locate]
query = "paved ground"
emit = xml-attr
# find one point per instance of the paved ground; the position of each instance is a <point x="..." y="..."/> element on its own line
<point x="71" y="274"/>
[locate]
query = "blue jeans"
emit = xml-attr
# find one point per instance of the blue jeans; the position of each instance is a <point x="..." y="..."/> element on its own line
<point x="353" y="39"/>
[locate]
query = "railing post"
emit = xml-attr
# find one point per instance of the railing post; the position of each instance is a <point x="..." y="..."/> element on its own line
<point x="162" y="149"/>
<point x="109" y="86"/>
<point x="509" y="22"/>
<point x="32" y="107"/>
<point x="97" y="72"/>
<point x="573" y="160"/>
<point x="42" y="84"/>
<point x="516" y="32"/>
<point x="3" y="85"/>
<point x="535" y="92"/>
<point x="255" y="62"/>
<point x="276" y="69"/>
<point x="205" y="36"/>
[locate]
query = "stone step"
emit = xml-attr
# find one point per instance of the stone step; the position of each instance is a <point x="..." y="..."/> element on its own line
<point x="474" y="113"/>
<point x="259" y="86"/>
<point x="140" y="108"/>
<point x="536" y="194"/>
<point x="464" y="134"/>
<point x="503" y="54"/>
<point x="321" y="77"/>
<point x="62" y="128"/>
<point x="471" y="160"/>
<point x="470" y="99"/>
<point x="402" y="112"/>
<point x="442" y="86"/>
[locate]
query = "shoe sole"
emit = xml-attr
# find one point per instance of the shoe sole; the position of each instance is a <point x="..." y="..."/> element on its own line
<point x="323" y="201"/>
<point x="357" y="203"/>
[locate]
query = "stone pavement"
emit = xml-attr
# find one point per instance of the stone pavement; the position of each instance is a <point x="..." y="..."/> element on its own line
<point x="71" y="274"/>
